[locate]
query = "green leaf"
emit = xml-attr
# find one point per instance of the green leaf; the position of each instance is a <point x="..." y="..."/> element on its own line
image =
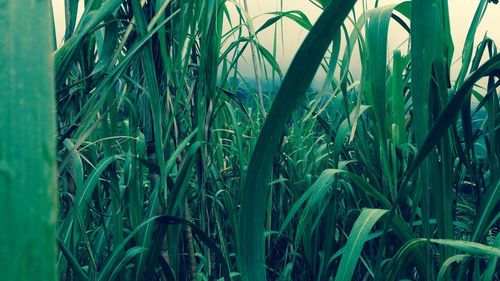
<point x="489" y="203"/>
<point x="472" y="248"/>
<point x="359" y="234"/>
<point x="28" y="189"/>
<point x="444" y="267"/>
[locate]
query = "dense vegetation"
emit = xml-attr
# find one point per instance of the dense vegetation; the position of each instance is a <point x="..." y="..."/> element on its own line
<point x="172" y="165"/>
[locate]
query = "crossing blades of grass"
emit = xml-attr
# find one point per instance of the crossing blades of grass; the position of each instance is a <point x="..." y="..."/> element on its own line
<point x="470" y="248"/>
<point x="63" y="57"/>
<point x="451" y="110"/>
<point x="156" y="115"/>
<point x="291" y="93"/>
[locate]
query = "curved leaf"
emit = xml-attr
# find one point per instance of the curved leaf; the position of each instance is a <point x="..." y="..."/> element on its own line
<point x="290" y="95"/>
<point x="359" y="234"/>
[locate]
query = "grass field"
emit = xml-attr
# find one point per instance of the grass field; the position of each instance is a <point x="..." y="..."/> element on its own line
<point x="172" y="165"/>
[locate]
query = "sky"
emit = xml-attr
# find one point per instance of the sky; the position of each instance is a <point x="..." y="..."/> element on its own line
<point x="461" y="14"/>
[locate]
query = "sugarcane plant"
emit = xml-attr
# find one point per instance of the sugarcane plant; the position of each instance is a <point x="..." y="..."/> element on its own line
<point x="173" y="164"/>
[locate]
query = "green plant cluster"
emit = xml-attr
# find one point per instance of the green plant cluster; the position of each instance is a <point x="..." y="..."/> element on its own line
<point x="166" y="171"/>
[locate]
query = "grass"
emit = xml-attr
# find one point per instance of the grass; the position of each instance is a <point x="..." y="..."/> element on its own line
<point x="173" y="165"/>
<point x="27" y="148"/>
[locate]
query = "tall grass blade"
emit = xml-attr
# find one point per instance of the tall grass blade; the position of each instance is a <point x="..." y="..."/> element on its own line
<point x="486" y="211"/>
<point x="424" y="33"/>
<point x="28" y="190"/>
<point x="290" y="94"/>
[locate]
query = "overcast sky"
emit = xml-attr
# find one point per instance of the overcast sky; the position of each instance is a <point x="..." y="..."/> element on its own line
<point x="461" y="14"/>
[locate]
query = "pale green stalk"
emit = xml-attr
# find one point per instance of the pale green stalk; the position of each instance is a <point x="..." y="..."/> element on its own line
<point x="27" y="144"/>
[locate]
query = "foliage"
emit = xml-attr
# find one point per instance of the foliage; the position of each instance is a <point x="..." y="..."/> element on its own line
<point x="170" y="170"/>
